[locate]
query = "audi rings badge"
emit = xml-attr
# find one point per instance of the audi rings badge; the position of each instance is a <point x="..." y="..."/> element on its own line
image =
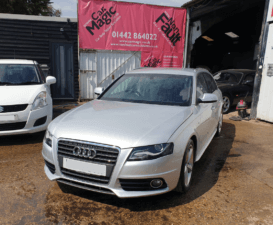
<point x="84" y="152"/>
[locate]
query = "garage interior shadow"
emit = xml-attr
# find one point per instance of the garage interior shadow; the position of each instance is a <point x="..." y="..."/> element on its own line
<point x="205" y="176"/>
<point x="214" y="49"/>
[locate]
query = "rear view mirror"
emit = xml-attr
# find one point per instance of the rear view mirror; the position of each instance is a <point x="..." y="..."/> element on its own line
<point x="208" y="98"/>
<point x="99" y="90"/>
<point x="50" y="80"/>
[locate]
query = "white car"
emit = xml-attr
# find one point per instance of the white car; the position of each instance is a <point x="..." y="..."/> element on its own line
<point x="25" y="99"/>
<point x="141" y="136"/>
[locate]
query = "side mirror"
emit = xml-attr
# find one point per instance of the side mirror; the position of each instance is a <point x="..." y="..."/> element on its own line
<point x="208" y="98"/>
<point x="50" y="80"/>
<point x="99" y="90"/>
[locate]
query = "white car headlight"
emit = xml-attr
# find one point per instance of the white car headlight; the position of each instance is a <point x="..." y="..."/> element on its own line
<point x="40" y="101"/>
<point x="48" y="138"/>
<point x="151" y="152"/>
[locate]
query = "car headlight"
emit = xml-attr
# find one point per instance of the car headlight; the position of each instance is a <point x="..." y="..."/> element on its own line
<point x="151" y="152"/>
<point x="40" y="101"/>
<point x="48" y="138"/>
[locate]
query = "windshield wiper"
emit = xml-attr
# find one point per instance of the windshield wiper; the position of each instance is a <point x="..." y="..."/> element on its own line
<point x="24" y="83"/>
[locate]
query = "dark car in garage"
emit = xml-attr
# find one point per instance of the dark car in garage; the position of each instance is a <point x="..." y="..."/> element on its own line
<point x="236" y="85"/>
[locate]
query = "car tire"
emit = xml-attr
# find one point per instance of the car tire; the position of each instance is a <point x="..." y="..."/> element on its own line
<point x="219" y="126"/>
<point x="185" y="178"/>
<point x="227" y="103"/>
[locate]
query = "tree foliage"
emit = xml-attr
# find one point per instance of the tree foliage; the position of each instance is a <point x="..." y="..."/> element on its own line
<point x="29" y="7"/>
<point x="54" y="12"/>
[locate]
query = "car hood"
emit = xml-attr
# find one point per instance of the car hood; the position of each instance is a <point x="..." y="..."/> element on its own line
<point x="120" y="124"/>
<point x="16" y="95"/>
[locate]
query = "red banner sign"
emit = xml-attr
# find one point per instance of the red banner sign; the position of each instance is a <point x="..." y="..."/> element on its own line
<point x="161" y="59"/>
<point x="110" y="25"/>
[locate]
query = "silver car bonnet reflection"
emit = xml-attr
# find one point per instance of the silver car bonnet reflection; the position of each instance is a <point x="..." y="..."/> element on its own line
<point x="120" y="124"/>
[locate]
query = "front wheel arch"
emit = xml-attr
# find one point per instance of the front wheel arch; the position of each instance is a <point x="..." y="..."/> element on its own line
<point x="194" y="139"/>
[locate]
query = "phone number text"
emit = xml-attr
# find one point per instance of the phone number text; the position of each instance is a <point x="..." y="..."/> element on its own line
<point x="129" y="35"/>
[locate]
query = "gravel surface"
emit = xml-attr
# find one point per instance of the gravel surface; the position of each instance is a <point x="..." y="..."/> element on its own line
<point x="232" y="184"/>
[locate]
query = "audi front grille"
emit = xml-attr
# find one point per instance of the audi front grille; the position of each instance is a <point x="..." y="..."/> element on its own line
<point x="104" y="155"/>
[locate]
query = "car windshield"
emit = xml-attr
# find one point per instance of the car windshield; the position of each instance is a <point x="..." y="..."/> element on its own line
<point x="15" y="74"/>
<point x="158" y="89"/>
<point x="228" y="77"/>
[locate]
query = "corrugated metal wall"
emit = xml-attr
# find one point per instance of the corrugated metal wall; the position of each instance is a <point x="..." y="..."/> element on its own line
<point x="98" y="67"/>
<point x="30" y="37"/>
<point x="265" y="104"/>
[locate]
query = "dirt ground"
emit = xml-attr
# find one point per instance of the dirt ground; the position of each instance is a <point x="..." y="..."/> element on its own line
<point x="232" y="184"/>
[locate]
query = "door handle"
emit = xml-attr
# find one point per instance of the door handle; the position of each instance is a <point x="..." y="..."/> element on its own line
<point x="213" y="108"/>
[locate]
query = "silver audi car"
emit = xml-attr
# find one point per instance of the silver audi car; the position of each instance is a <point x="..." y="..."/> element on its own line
<point x="140" y="137"/>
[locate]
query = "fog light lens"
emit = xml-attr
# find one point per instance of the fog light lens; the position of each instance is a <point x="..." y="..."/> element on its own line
<point x="156" y="183"/>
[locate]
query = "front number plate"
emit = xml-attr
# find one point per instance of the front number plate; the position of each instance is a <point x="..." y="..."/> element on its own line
<point x="84" y="167"/>
<point x="7" y="117"/>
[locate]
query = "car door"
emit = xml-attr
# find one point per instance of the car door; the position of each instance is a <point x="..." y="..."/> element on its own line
<point x="248" y="83"/>
<point x="240" y="91"/>
<point x="204" y="113"/>
<point x="216" y="106"/>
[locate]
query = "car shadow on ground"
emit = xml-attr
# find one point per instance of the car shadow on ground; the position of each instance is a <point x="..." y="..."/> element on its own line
<point x="205" y="176"/>
<point x="22" y="139"/>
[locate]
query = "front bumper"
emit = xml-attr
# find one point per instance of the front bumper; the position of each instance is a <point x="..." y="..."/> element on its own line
<point x="30" y="117"/>
<point x="166" y="168"/>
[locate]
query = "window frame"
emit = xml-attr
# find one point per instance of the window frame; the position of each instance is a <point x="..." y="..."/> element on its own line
<point x="214" y="83"/>
<point x="198" y="75"/>
<point x="249" y="74"/>
<point x="155" y="102"/>
<point x="40" y="80"/>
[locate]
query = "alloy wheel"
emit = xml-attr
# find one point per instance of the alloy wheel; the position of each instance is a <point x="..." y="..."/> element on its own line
<point x="226" y="105"/>
<point x="188" y="165"/>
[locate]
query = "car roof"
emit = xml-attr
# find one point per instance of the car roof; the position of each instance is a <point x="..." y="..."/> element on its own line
<point x="172" y="71"/>
<point x="17" y="61"/>
<point x="237" y="71"/>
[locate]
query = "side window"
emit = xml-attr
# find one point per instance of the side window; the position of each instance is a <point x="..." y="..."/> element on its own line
<point x="210" y="82"/>
<point x="122" y="86"/>
<point x="201" y="86"/>
<point x="249" y="77"/>
<point x="41" y="73"/>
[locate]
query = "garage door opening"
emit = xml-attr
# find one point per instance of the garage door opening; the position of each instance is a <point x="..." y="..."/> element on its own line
<point x="228" y="35"/>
